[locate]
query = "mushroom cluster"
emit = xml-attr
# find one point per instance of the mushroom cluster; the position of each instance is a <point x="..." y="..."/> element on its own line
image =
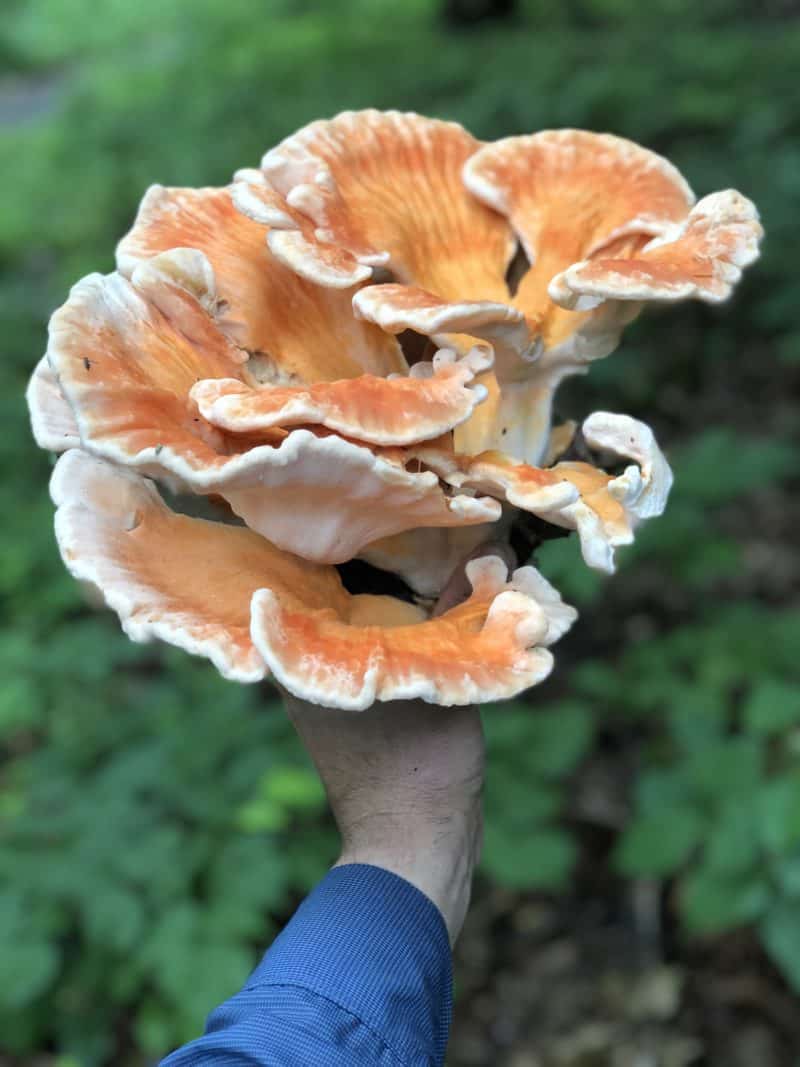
<point x="352" y="352"/>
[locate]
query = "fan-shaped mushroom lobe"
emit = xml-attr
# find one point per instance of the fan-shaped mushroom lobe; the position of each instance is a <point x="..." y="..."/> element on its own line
<point x="128" y="374"/>
<point x="300" y="332"/>
<point x="52" y="422"/>
<point x="168" y="577"/>
<point x="430" y="401"/>
<point x="569" y="194"/>
<point x="385" y="188"/>
<point x="488" y="648"/>
<point x="404" y="307"/>
<point x="204" y="587"/>
<point x="701" y="257"/>
<point x="603" y="509"/>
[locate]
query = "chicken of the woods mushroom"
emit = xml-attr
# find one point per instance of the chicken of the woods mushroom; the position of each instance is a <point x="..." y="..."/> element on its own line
<point x="352" y="351"/>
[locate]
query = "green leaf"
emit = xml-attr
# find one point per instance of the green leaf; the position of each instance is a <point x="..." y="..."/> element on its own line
<point x="597" y="680"/>
<point x="282" y="792"/>
<point x="655" y="845"/>
<point x="308" y="855"/>
<point x="561" y="561"/>
<point x="727" y="769"/>
<point x="732" y="841"/>
<point x="516" y="802"/>
<point x="780" y="935"/>
<point x="20" y="705"/>
<point x="27" y="967"/>
<point x="191" y="969"/>
<point x="113" y="917"/>
<point x="787" y="872"/>
<point x="658" y="790"/>
<point x="236" y="907"/>
<point x="759" y="461"/>
<point x="293" y="788"/>
<point x="772" y="706"/>
<point x="547" y="741"/>
<point x="154" y="1027"/>
<point x="539" y="860"/>
<point x="710" y="904"/>
<point x="697" y="716"/>
<point x="261" y="816"/>
<point x="783" y="635"/>
<point x="778" y="806"/>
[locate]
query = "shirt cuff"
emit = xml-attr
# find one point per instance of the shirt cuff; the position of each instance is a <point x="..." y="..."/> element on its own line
<point x="374" y="944"/>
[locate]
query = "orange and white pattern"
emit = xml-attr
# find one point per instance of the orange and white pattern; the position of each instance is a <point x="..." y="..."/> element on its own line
<point x="353" y="350"/>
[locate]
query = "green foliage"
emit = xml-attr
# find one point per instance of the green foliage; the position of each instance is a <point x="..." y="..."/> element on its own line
<point x="127" y="828"/>
<point x="530" y="754"/>
<point x="717" y="803"/>
<point x="154" y="820"/>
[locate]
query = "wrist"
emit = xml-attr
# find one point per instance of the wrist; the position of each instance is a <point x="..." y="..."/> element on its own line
<point x="437" y="856"/>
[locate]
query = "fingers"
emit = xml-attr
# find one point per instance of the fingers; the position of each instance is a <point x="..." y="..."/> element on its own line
<point x="458" y="587"/>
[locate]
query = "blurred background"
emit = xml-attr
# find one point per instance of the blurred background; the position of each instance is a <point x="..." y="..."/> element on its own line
<point x="639" y="901"/>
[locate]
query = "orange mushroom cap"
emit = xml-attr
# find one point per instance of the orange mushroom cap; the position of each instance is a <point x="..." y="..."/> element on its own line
<point x="355" y="346"/>
<point x="229" y="594"/>
<point x="599" y="219"/>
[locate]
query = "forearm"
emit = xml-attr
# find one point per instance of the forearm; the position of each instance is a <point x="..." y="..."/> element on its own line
<point x="439" y="862"/>
<point x="362" y="973"/>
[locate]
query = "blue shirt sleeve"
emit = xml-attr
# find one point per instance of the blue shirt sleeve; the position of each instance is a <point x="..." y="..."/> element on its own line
<point x="362" y="974"/>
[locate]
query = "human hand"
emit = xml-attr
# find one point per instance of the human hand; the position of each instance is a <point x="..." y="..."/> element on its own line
<point x="404" y="781"/>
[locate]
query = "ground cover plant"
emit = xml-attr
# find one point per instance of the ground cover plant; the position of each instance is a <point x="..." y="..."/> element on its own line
<point x="663" y="756"/>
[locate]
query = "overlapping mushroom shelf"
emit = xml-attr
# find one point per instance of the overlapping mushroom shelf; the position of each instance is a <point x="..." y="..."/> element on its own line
<point x="353" y="349"/>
